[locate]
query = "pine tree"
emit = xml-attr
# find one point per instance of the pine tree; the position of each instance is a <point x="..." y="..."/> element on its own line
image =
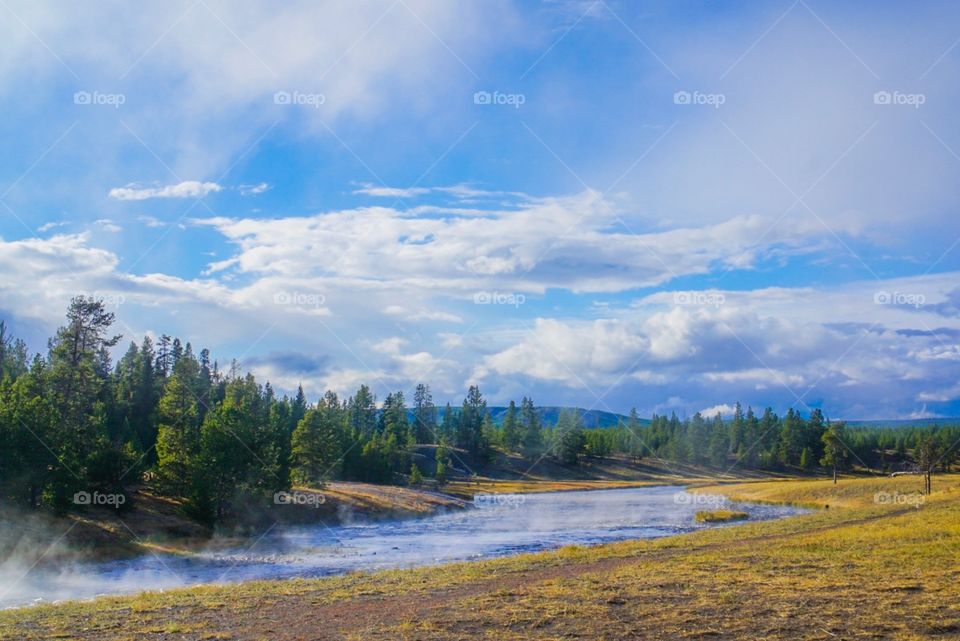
<point x="424" y="415"/>
<point x="511" y="428"/>
<point x="530" y="434"/>
<point x="315" y="447"/>
<point x="363" y="412"/>
<point x="178" y="439"/>
<point x="834" y="448"/>
<point x="806" y="459"/>
<point x="569" y="440"/>
<point x="416" y="478"/>
<point x="440" y="475"/>
<point x="79" y="371"/>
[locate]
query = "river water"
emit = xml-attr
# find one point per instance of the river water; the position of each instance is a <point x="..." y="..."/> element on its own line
<point x="497" y="525"/>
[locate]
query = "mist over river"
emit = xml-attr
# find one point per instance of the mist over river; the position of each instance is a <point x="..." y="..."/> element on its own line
<point x="497" y="525"/>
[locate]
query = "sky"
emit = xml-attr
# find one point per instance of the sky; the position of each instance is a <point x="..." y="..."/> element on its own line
<point x="666" y="205"/>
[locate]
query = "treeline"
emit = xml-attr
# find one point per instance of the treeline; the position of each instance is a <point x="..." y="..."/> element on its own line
<point x="778" y="443"/>
<point x="73" y="422"/>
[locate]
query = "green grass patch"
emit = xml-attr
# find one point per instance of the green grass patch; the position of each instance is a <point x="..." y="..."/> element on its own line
<point x="720" y="516"/>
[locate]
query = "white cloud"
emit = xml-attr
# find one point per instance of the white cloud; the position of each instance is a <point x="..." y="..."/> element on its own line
<point x="253" y="190"/>
<point x="151" y="222"/>
<point x="723" y="410"/>
<point x="391" y="192"/>
<point x="185" y="189"/>
<point x="108" y="225"/>
<point x="421" y="314"/>
<point x="570" y="242"/>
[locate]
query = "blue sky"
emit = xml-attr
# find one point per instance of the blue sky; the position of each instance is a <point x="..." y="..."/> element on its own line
<point x="667" y="205"/>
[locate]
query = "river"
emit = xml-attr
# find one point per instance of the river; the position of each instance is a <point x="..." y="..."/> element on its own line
<point x="497" y="525"/>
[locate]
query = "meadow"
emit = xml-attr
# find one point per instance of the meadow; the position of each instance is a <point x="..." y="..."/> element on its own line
<point x="875" y="560"/>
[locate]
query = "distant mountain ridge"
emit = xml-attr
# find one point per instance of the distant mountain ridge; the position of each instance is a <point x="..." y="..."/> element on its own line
<point x="903" y="422"/>
<point x="599" y="418"/>
<point x="549" y="415"/>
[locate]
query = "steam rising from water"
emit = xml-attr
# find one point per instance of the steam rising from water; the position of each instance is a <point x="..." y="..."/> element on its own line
<point x="495" y="527"/>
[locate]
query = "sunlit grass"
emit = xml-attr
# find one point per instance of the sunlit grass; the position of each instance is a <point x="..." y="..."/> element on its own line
<point x="867" y="567"/>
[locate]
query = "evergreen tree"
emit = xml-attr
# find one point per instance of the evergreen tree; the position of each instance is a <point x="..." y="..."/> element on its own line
<point x="79" y="370"/>
<point x="315" y="447"/>
<point x="178" y="440"/>
<point x="511" y="428"/>
<point x="569" y="440"/>
<point x="834" y="448"/>
<point x="416" y="478"/>
<point x="363" y="412"/>
<point x="530" y="433"/>
<point x="424" y="415"/>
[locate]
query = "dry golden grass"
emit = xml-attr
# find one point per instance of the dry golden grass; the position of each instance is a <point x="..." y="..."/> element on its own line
<point x="871" y="567"/>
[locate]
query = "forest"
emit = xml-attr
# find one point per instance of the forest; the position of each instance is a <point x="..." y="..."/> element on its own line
<point x="72" y="421"/>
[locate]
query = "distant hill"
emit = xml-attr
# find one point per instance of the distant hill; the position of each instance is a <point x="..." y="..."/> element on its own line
<point x="549" y="416"/>
<point x="906" y="422"/>
<point x="599" y="418"/>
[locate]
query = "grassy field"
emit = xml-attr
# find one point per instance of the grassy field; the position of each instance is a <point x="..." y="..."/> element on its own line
<point x="880" y="563"/>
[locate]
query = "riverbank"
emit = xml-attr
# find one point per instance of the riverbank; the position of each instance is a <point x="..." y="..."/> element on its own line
<point x="157" y="524"/>
<point x="876" y="564"/>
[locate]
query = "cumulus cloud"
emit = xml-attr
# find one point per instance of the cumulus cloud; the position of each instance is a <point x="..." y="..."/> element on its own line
<point x="185" y="189"/>
<point x="865" y="358"/>
<point x="574" y="242"/>
<point x="756" y="346"/>
<point x="722" y="409"/>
